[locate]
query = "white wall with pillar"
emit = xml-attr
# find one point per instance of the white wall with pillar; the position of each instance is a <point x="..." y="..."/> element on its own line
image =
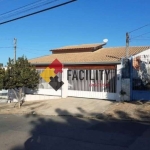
<point x="125" y="79"/>
<point x="64" y="89"/>
<point x="118" y="87"/>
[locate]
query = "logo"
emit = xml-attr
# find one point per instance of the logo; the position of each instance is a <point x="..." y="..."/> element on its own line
<point x="50" y="74"/>
<point x="96" y="77"/>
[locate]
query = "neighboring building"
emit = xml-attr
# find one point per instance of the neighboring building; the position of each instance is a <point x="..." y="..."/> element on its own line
<point x="89" y="57"/>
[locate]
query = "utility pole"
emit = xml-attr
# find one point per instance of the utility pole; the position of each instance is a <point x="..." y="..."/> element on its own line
<point x="127" y="45"/>
<point x="15" y="47"/>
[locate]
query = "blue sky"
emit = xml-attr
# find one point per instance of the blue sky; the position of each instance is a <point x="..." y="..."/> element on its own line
<point x="80" y="22"/>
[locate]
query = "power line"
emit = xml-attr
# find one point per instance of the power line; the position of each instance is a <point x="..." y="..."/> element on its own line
<point x="140" y="35"/>
<point x="6" y="47"/>
<point x="1" y="39"/>
<point x="20" y="8"/>
<point x="33" y="49"/>
<point x="129" y="39"/>
<point x="15" y="12"/>
<point x="142" y="39"/>
<point x="37" y="12"/>
<point x="139" y="28"/>
<point x="29" y="51"/>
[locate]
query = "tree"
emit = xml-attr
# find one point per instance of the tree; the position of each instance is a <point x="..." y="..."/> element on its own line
<point x="19" y="75"/>
<point x="2" y="74"/>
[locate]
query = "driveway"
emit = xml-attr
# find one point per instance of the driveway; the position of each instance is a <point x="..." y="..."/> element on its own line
<point x="81" y="107"/>
<point x="67" y="106"/>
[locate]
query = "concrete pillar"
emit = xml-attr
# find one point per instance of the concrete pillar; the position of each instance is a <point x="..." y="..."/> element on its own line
<point x="125" y="80"/>
<point x="64" y="89"/>
<point x="118" y="82"/>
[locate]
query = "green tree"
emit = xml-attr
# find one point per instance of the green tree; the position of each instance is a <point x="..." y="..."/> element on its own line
<point x="2" y="74"/>
<point x="20" y="75"/>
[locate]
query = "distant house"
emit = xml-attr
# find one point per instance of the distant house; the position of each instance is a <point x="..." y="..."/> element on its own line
<point x="91" y="57"/>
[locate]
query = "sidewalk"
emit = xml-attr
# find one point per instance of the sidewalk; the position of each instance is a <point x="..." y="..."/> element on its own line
<point x="81" y="107"/>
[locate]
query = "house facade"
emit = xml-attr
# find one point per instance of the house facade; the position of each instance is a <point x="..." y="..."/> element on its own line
<point x="89" y="70"/>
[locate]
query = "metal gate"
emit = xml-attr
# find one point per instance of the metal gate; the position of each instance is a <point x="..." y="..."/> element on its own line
<point x="140" y="77"/>
<point x="100" y="84"/>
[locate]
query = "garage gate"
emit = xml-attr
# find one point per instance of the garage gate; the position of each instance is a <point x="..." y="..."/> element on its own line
<point x="99" y="84"/>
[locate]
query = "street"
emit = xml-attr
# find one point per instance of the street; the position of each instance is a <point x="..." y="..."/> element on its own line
<point x="31" y="132"/>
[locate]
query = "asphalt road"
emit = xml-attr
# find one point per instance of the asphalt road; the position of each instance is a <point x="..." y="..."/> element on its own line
<point x="18" y="132"/>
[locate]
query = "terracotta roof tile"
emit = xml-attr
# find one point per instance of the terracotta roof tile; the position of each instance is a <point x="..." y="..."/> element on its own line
<point x="112" y="54"/>
<point x="83" y="46"/>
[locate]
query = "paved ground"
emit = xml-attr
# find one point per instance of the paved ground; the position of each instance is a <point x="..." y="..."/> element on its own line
<point x="101" y="109"/>
<point x="68" y="106"/>
<point x="31" y="132"/>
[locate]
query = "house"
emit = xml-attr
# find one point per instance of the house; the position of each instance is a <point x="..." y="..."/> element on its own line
<point x="99" y="67"/>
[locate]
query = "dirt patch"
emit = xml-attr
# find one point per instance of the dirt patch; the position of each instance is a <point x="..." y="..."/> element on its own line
<point x="127" y="111"/>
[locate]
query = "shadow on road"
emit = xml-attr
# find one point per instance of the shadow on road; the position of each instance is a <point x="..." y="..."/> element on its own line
<point x="75" y="133"/>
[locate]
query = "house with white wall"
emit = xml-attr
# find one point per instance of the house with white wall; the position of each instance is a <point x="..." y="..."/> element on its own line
<point x="99" y="66"/>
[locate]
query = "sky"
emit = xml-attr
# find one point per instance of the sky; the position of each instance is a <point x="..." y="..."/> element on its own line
<point x="80" y="22"/>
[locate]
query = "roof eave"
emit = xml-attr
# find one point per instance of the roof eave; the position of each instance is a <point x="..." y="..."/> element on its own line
<point x="82" y="63"/>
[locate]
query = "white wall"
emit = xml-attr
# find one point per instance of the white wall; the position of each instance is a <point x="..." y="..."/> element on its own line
<point x="65" y="92"/>
<point x="118" y="82"/>
<point x="146" y="53"/>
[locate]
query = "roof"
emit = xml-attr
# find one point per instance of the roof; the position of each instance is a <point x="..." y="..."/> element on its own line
<point x="102" y="55"/>
<point x="78" y="48"/>
<point x="83" y="46"/>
